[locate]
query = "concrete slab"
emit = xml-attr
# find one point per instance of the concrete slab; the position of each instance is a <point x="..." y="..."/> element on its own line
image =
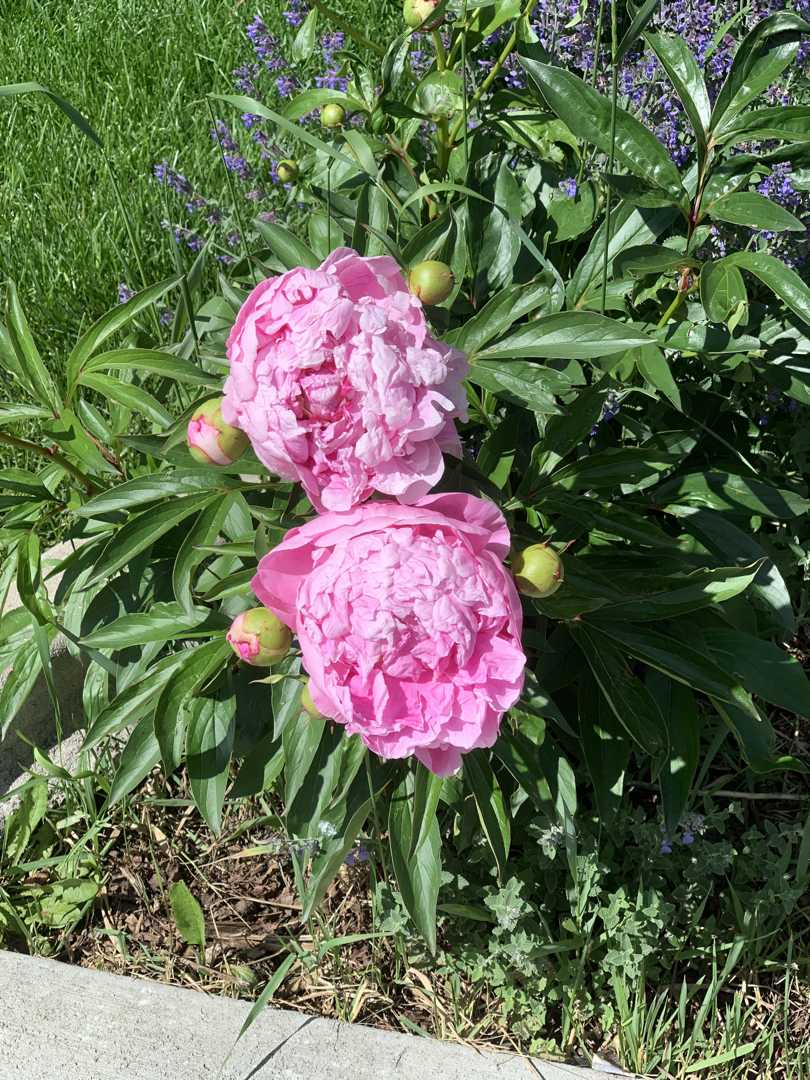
<point x="69" y="1023"/>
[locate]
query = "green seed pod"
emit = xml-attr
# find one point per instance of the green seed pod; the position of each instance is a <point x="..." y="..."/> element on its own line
<point x="259" y="638"/>
<point x="431" y="281"/>
<point x="538" y="571"/>
<point x="333" y="116"/>
<point x="287" y="171"/>
<point x="210" y="440"/>
<point x="309" y="705"/>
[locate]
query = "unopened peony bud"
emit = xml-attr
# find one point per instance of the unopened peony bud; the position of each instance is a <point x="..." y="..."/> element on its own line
<point x="538" y="571"/>
<point x="259" y="638"/>
<point x="333" y="115"/>
<point x="414" y="12"/>
<point x="287" y="171"/>
<point x="210" y="440"/>
<point x="431" y="281"/>
<point x="309" y="705"/>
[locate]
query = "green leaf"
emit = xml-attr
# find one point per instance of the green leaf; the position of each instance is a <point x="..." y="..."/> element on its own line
<point x="12" y="413"/>
<point x="588" y="114"/>
<point x="140" y="755"/>
<point x="209" y="743"/>
<point x="677" y="705"/>
<point x="669" y="654"/>
<point x="498" y="314"/>
<point x="36" y="377"/>
<point x="22" y="824"/>
<point x="419" y="879"/>
<point x="677" y="595"/>
<point x="286" y="696"/>
<point x="188" y="915"/>
<point x="141" y="531"/>
<point x="72" y="114"/>
<point x="491" y="806"/>
<point x="606" y="748"/>
<point x="111" y="323"/>
<point x="163" y="622"/>
<point x="128" y="395"/>
<point x="783" y="281"/>
<point x="291" y="251"/>
<point x="130" y="705"/>
<point x="304" y="43"/>
<point x="760" y="58"/>
<point x="300" y="738"/>
<point x="155" y="363"/>
<point x="641" y="21"/>
<point x="520" y="756"/>
<point x="730" y="543"/>
<point x="318" y="786"/>
<point x="525" y="384"/>
<point x="372" y="210"/>
<point x="680" y="64"/>
<point x="203" y="533"/>
<point x="309" y="100"/>
<point x="638" y="192"/>
<point x="426" y="791"/>
<point x="727" y="491"/>
<point x="259" y="769"/>
<point x="616" y="465"/>
<point x="29" y="577"/>
<point x="608" y="517"/>
<point x="654" y="367"/>
<point x="73" y="440"/>
<point x="160" y="485"/>
<point x="722" y="289"/>
<point x="755" y="738"/>
<point x="761" y="667"/>
<point x="173" y="711"/>
<point x="791" y="123"/>
<point x="630" y="227"/>
<point x="754" y="210"/>
<point x="567" y="335"/>
<point x="625" y="693"/>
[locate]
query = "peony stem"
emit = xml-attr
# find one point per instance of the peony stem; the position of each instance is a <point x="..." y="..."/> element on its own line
<point x="52" y="455"/>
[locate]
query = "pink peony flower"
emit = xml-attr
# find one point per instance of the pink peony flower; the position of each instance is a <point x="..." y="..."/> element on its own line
<point x="408" y="622"/>
<point x="338" y="384"/>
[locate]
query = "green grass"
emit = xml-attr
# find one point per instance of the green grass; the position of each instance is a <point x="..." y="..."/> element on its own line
<point x="139" y="71"/>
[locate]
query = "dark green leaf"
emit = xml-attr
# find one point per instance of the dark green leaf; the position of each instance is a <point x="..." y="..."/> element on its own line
<point x="588" y="115"/>
<point x="208" y="752"/>
<point x="140" y="755"/>
<point x="762" y="668"/>
<point x="172" y="713"/>
<point x="722" y="289"/>
<point x="638" y="192"/>
<point x="301" y="738"/>
<point x="681" y="65"/>
<point x="426" y="791"/>
<point x="727" y="491"/>
<point x="131" y="704"/>
<point x="641" y="20"/>
<point x="163" y="622"/>
<point x="606" y="748"/>
<point x="290" y="250"/>
<point x="317" y="787"/>
<point x="677" y="705"/>
<point x="756" y="211"/>
<point x="203" y="533"/>
<point x="492" y="809"/>
<point x="419" y="879"/>
<point x="783" y="281"/>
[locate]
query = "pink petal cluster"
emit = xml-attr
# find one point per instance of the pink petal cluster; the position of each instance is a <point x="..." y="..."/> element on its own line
<point x="408" y="622"/>
<point x="338" y="384"/>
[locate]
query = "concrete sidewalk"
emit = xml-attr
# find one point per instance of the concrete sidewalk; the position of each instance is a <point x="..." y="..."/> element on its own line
<point x="59" y="1022"/>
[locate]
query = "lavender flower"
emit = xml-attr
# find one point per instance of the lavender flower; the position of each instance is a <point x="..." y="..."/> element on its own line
<point x="358" y="854"/>
<point x="165" y="174"/>
<point x="245" y="80"/>
<point x="266" y="45"/>
<point x="296" y="12"/>
<point x="124" y="293"/>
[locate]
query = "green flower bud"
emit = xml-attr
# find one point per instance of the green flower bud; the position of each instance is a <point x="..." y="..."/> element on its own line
<point x="210" y="440"/>
<point x="333" y="115"/>
<point x="414" y="12"/>
<point x="287" y="171"/>
<point x="259" y="638"/>
<point x="379" y="122"/>
<point x="309" y="705"/>
<point x="538" y="571"/>
<point x="431" y="281"/>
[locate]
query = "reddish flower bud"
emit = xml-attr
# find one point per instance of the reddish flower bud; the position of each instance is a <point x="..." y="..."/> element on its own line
<point x="414" y="12"/>
<point x="333" y="115"/>
<point x="210" y="440"/>
<point x="431" y="281"/>
<point x="538" y="571"/>
<point x="259" y="638"/>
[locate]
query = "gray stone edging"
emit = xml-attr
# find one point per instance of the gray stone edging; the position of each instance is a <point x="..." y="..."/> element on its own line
<point x="71" y="1023"/>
